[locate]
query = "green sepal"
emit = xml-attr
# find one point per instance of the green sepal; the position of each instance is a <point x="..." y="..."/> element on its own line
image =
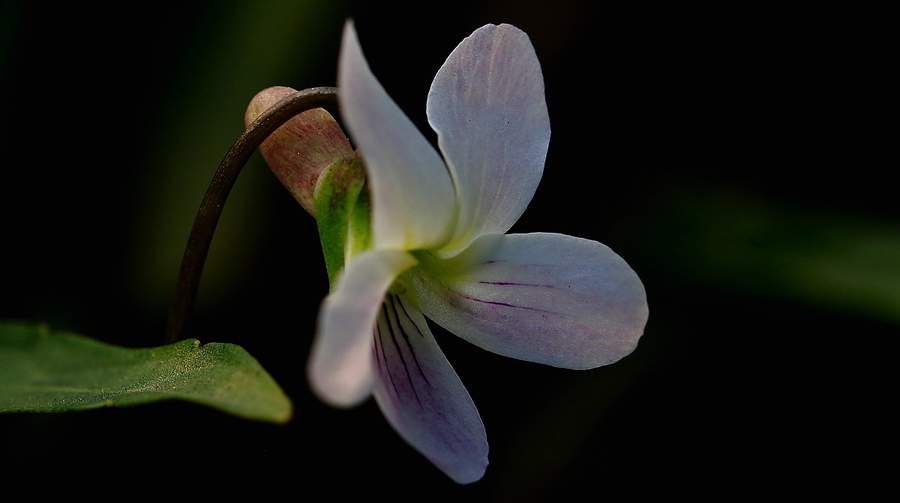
<point x="42" y="371"/>
<point x="342" y="213"/>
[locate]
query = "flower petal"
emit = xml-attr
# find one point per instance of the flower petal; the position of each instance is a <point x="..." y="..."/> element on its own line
<point x="422" y="397"/>
<point x="546" y="298"/>
<point x="413" y="201"/>
<point x="340" y="367"/>
<point x="299" y="150"/>
<point x="487" y="105"/>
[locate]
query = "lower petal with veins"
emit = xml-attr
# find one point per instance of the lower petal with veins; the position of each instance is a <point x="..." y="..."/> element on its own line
<point x="421" y="395"/>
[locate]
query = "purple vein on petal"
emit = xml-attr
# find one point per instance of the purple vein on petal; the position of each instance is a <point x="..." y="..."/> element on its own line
<point x="382" y="325"/>
<point x="406" y="313"/>
<point x="504" y="304"/>
<point x="378" y="348"/>
<point x="396" y="319"/>
<point x="395" y="326"/>
<point x="392" y="325"/>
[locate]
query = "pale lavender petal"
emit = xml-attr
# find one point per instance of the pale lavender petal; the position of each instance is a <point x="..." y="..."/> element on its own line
<point x="340" y="366"/>
<point x="546" y="298"/>
<point x="422" y="397"/>
<point x="413" y="200"/>
<point x="487" y="106"/>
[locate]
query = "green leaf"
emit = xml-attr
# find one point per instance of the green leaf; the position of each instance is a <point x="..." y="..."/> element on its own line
<point x="59" y="372"/>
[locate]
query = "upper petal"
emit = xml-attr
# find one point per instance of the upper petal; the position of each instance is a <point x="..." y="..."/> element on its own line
<point x="421" y="395"/>
<point x="487" y="106"/>
<point x="413" y="201"/>
<point x="546" y="298"/>
<point x="340" y="366"/>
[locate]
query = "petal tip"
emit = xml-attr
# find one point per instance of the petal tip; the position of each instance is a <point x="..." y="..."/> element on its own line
<point x="343" y="390"/>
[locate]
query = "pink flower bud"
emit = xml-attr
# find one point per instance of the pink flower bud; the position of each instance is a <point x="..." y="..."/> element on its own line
<point x="298" y="151"/>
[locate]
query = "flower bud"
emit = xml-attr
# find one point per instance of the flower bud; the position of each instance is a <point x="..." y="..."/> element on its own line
<point x="302" y="148"/>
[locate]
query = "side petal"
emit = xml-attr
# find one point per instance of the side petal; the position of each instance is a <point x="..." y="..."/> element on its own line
<point x="546" y="298"/>
<point x="413" y="201"/>
<point x="487" y="106"/>
<point x="340" y="366"/>
<point x="422" y="397"/>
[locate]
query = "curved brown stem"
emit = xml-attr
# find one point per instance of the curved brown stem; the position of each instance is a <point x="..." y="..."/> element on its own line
<point x="211" y="207"/>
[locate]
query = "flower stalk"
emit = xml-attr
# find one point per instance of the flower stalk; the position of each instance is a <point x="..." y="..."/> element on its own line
<point x="220" y="187"/>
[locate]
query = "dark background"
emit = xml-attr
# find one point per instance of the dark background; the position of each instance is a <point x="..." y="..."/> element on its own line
<point x="725" y="154"/>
